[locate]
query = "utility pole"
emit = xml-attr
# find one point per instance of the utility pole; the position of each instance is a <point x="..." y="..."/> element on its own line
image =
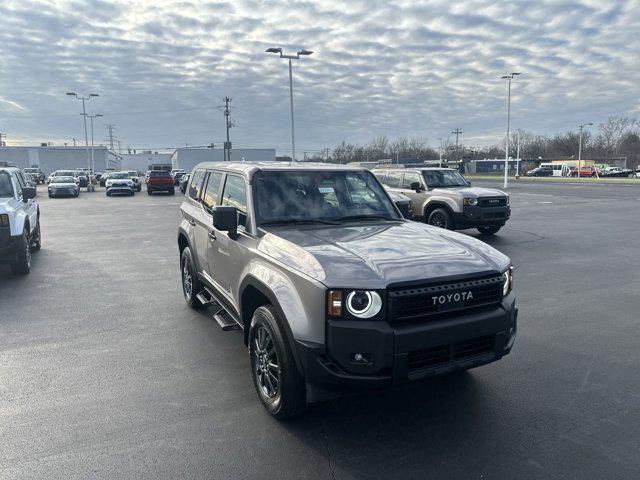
<point x="580" y="146"/>
<point x="229" y="124"/>
<point x="457" y="133"/>
<point x="440" y="152"/>
<point x="110" y="128"/>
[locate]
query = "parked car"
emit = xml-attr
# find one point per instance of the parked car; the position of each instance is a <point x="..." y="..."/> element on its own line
<point x="19" y="220"/>
<point x="83" y="178"/>
<point x="444" y="198"/>
<point x="587" y="171"/>
<point x="403" y="203"/>
<point x="119" y="182"/>
<point x="184" y="181"/>
<point x="160" y="181"/>
<point x="63" y="187"/>
<point x="103" y="178"/>
<point x="64" y="173"/>
<point x="37" y="174"/>
<point x="332" y="288"/>
<point x="540" y="172"/>
<point x="177" y="174"/>
<point x="133" y="175"/>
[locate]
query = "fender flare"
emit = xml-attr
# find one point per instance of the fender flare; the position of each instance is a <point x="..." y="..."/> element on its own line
<point x="252" y="281"/>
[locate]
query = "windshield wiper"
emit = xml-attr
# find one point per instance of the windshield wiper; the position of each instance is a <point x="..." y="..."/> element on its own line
<point x="285" y="221"/>
<point x="367" y="217"/>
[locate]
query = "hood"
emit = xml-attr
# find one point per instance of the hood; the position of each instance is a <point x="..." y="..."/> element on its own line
<point x="5" y="206"/>
<point x="471" y="191"/>
<point x="376" y="255"/>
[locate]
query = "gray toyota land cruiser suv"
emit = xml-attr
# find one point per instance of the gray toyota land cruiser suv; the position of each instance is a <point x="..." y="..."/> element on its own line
<point x="444" y="198"/>
<point x="333" y="289"/>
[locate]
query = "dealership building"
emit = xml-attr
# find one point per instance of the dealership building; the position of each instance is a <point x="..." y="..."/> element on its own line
<point x="50" y="159"/>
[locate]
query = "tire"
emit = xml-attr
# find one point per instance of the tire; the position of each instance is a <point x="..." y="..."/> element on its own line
<point x="489" y="230"/>
<point x="191" y="285"/>
<point x="279" y="385"/>
<point x="36" y="241"/>
<point x="132" y="193"/>
<point x="172" y="191"/>
<point x="107" y="194"/>
<point x="77" y="194"/>
<point x="22" y="263"/>
<point x="148" y="192"/>
<point x="441" y="218"/>
<point x="50" y="196"/>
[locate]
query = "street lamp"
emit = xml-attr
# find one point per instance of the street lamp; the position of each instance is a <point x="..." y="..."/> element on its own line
<point x="84" y="114"/>
<point x="93" y="159"/>
<point x="509" y="77"/>
<point x="278" y="50"/>
<point x="580" y="146"/>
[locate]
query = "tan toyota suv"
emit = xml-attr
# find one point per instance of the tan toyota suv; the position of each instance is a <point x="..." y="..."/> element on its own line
<point x="444" y="198"/>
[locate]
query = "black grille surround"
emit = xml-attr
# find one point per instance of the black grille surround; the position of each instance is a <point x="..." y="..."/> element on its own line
<point x="454" y="352"/>
<point x="492" y="201"/>
<point x="437" y="301"/>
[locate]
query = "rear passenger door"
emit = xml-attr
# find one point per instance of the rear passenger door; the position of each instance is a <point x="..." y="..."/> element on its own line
<point x="417" y="199"/>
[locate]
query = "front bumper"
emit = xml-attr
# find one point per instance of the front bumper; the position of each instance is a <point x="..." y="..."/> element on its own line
<point x="476" y="216"/>
<point x="119" y="189"/>
<point x="401" y="353"/>
<point x="60" y="192"/>
<point x="9" y="245"/>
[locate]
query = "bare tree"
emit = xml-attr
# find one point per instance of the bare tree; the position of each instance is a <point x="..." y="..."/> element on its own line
<point x="612" y="133"/>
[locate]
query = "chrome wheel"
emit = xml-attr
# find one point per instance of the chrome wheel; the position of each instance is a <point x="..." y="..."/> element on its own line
<point x="187" y="278"/>
<point x="265" y="363"/>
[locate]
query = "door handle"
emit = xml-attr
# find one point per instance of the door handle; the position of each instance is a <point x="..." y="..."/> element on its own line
<point x="192" y="222"/>
<point x="212" y="236"/>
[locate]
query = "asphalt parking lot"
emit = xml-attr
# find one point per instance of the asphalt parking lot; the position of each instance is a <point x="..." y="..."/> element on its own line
<point x="106" y="373"/>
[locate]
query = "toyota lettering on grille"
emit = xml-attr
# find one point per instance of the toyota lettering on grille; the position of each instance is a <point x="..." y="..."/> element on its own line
<point x="493" y="201"/>
<point x="452" y="298"/>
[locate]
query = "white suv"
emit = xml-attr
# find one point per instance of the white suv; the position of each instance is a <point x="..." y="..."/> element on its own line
<point x="19" y="220"/>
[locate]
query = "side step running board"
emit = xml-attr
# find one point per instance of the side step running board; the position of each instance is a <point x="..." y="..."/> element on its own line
<point x="224" y="319"/>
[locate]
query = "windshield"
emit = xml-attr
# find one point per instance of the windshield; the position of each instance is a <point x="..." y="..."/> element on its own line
<point x="6" y="189"/>
<point x="119" y="175"/>
<point x="308" y="196"/>
<point x="64" y="173"/>
<point x="444" y="178"/>
<point x="31" y="170"/>
<point x="63" y="180"/>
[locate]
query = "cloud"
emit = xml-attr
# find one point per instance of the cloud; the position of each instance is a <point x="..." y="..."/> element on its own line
<point x="379" y="67"/>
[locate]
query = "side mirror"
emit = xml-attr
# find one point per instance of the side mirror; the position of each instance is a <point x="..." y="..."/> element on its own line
<point x="225" y="219"/>
<point x="468" y="183"/>
<point x="416" y="187"/>
<point x="28" y="193"/>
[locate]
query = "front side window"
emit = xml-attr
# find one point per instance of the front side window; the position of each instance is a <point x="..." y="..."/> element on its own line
<point x="319" y="196"/>
<point x="444" y="178"/>
<point x="195" y="187"/>
<point x="6" y="188"/>
<point x="409" y="178"/>
<point x="213" y="189"/>
<point x="235" y="195"/>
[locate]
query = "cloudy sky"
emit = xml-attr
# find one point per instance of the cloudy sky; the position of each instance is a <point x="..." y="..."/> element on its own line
<point x="395" y="68"/>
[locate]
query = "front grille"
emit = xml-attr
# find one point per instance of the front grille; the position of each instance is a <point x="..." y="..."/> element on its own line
<point x="444" y="354"/>
<point x="492" y="215"/>
<point x="492" y="201"/>
<point x="425" y="303"/>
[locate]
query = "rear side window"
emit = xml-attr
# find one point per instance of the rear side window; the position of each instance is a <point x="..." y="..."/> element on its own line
<point x="213" y="189"/>
<point x="235" y="195"/>
<point x="195" y="187"/>
<point x="393" y="179"/>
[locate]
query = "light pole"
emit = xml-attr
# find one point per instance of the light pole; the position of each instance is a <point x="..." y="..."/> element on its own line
<point x="509" y="77"/>
<point x="84" y="116"/>
<point x="518" y="131"/>
<point x="290" y="57"/>
<point x="580" y="146"/>
<point x="440" y="152"/>
<point x="93" y="158"/>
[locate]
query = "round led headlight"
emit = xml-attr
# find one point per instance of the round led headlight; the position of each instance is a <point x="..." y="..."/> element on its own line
<point x="363" y="304"/>
<point x="473" y="201"/>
